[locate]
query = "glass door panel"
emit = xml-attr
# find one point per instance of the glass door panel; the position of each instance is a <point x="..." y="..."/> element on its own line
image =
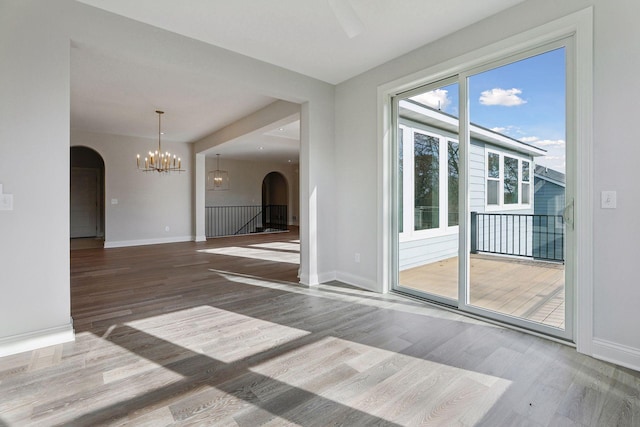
<point x="517" y="190"/>
<point x="428" y="189"/>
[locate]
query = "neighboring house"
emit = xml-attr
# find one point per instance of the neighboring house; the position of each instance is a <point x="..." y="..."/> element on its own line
<point x="500" y="177"/>
<point x="549" y="189"/>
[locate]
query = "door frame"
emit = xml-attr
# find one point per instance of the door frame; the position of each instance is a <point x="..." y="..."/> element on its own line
<point x="579" y="27"/>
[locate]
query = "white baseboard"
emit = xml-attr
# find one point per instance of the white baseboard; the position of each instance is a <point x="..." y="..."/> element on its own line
<point x="619" y="354"/>
<point x="357" y="281"/>
<point x="127" y="243"/>
<point x="310" y="280"/>
<point x="37" y="339"/>
<point x="202" y="238"/>
<point x="349" y="279"/>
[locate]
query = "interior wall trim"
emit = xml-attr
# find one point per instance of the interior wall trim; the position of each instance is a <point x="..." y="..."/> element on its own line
<point x="37" y="339"/>
<point x="143" y="242"/>
<point x="619" y="354"/>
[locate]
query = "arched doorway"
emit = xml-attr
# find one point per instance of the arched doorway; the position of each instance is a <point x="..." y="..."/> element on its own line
<point x="86" y="198"/>
<point x="275" y="200"/>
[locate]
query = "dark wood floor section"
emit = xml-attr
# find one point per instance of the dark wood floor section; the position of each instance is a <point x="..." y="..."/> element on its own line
<point x="220" y="333"/>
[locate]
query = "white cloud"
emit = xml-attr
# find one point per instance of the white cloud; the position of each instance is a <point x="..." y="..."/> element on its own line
<point x="543" y="142"/>
<point x="550" y="142"/>
<point x="438" y="99"/>
<point x="553" y="162"/>
<point x="510" y="130"/>
<point x="529" y="139"/>
<point x="504" y="97"/>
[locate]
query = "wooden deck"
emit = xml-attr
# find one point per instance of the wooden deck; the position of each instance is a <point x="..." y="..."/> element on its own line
<point x="528" y="289"/>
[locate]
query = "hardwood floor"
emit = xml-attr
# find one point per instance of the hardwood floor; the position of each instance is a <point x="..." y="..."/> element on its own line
<point x="219" y="333"/>
<point x="529" y="289"/>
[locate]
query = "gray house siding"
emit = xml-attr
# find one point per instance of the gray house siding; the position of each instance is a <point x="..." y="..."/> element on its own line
<point x="549" y="197"/>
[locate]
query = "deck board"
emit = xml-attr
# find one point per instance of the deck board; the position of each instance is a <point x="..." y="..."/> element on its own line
<point x="532" y="290"/>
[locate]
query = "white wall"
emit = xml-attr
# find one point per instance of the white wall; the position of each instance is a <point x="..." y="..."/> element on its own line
<point x="616" y="289"/>
<point x="245" y="184"/>
<point x="616" y="150"/>
<point x="147" y="202"/>
<point x="34" y="167"/>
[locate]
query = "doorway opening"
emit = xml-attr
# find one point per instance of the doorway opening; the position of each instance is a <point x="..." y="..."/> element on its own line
<point x="87" y="207"/>
<point x="275" y="201"/>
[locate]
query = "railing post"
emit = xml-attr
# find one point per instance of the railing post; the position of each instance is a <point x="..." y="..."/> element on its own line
<point x="474" y="232"/>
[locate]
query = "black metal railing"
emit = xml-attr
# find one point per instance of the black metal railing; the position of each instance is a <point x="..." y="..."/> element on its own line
<point x="274" y="218"/>
<point x="527" y="235"/>
<point x="236" y="220"/>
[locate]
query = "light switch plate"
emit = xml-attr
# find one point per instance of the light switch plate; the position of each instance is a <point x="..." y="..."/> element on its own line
<point x="6" y="202"/>
<point x="114" y="201"/>
<point x="609" y="200"/>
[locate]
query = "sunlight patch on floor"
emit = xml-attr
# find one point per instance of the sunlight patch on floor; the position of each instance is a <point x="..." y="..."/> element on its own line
<point x="286" y="246"/>
<point x="255" y="253"/>
<point x="225" y="336"/>
<point x="464" y="396"/>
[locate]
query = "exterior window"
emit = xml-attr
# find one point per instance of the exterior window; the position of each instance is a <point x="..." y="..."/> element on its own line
<point x="454" y="179"/>
<point x="493" y="178"/>
<point x="510" y="181"/>
<point x="427" y="182"/>
<point x="526" y="189"/>
<point x="513" y="176"/>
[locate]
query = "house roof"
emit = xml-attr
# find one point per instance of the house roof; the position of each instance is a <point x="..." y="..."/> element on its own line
<point x="550" y="175"/>
<point x="416" y="111"/>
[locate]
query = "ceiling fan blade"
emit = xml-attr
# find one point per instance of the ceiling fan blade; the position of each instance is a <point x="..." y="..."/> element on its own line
<point x="347" y="17"/>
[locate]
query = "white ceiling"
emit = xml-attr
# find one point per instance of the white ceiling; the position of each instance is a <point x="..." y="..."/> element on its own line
<point x="112" y="95"/>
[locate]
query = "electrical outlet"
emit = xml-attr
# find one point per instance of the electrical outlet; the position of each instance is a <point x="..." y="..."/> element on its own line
<point x="356" y="257"/>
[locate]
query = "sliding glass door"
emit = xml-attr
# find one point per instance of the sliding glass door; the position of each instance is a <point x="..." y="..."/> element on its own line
<point x="484" y="214"/>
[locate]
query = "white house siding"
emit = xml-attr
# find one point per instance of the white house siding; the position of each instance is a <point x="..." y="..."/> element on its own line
<point x="477" y="181"/>
<point x="415" y="253"/>
<point x="512" y="235"/>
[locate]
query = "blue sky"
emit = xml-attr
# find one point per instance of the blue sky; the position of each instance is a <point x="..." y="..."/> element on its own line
<point x="524" y="100"/>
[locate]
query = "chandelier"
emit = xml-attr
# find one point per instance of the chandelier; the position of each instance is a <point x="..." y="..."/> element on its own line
<point x="218" y="179"/>
<point x="159" y="161"/>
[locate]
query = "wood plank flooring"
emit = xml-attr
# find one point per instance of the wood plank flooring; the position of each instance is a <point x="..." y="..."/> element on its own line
<point x="532" y="290"/>
<point x="188" y="334"/>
